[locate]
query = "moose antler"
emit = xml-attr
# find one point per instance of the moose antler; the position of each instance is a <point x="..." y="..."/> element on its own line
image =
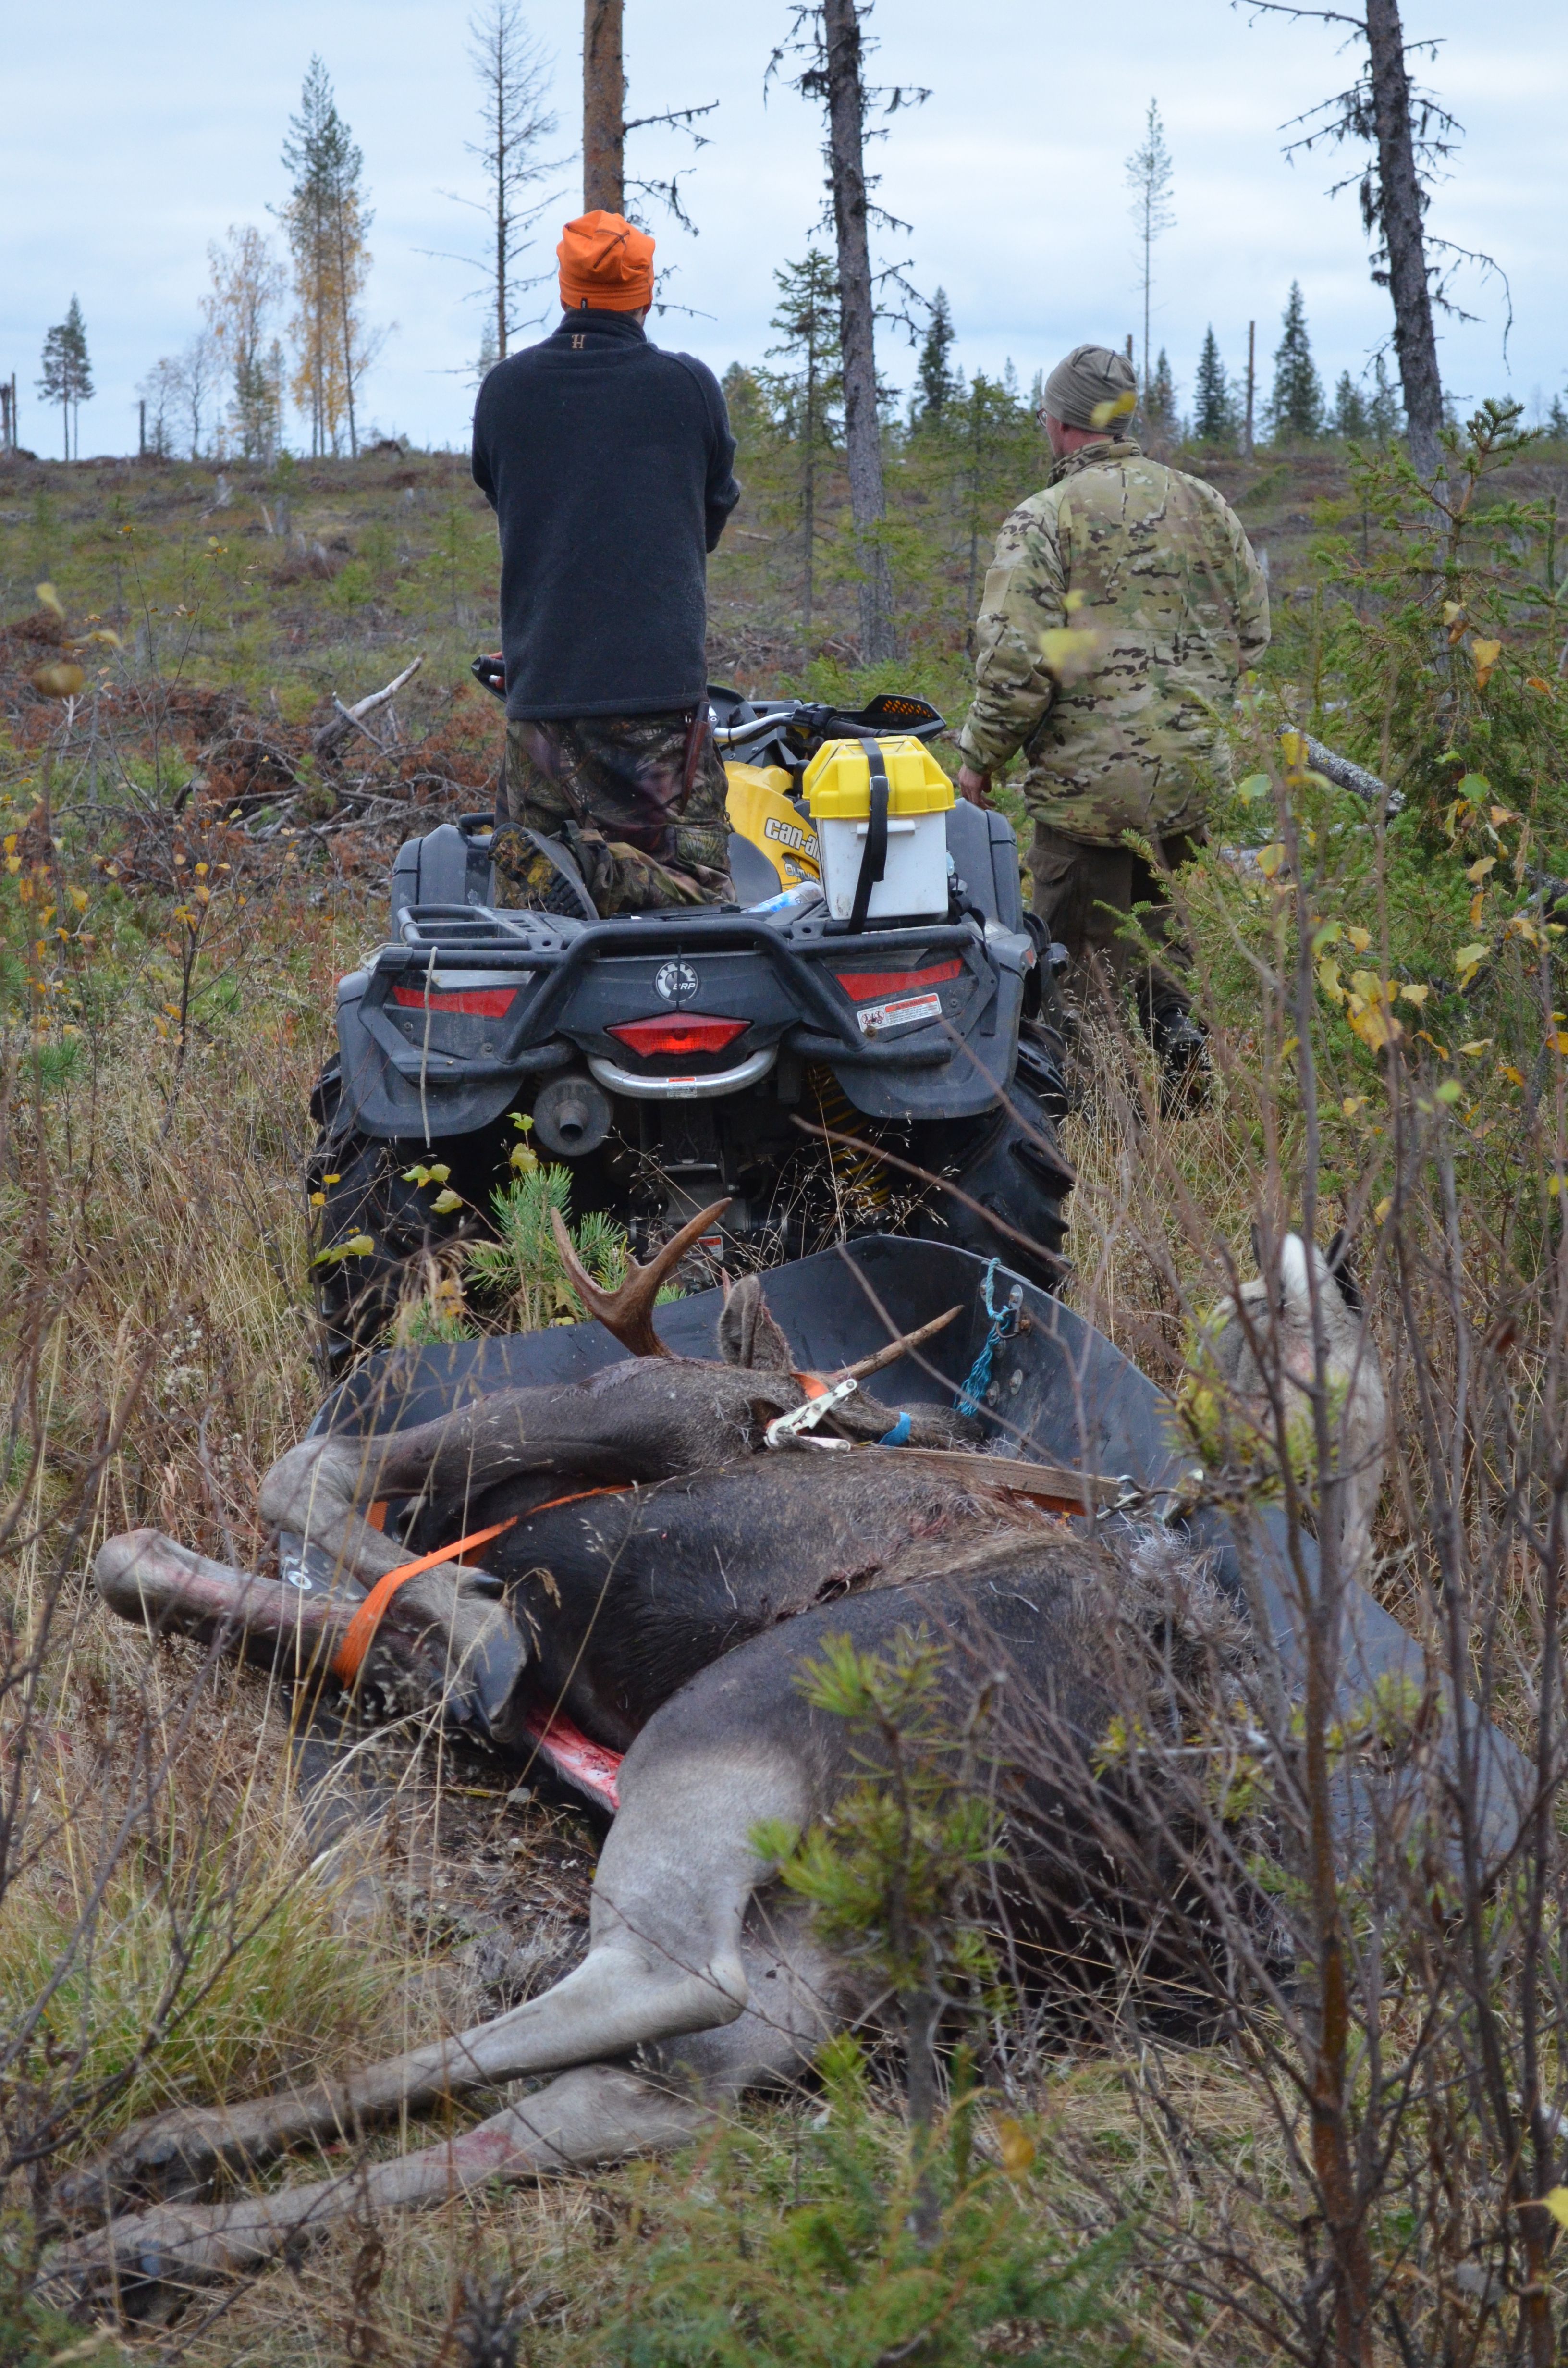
<point x="628" y="1312"/>
<point x="893" y="1351"/>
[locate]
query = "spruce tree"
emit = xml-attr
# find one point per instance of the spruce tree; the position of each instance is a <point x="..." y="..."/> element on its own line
<point x="935" y="376"/>
<point x="1296" y="408"/>
<point x="1385" y="413"/>
<point x="1213" y="403"/>
<point x="808" y="324"/>
<point x="67" y="376"/>
<point x="1349" y="417"/>
<point x="1160" y="404"/>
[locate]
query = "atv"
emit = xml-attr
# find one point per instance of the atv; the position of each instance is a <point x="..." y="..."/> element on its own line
<point x="831" y="1065"/>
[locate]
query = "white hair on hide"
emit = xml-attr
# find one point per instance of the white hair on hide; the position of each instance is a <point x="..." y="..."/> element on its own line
<point x="1260" y="1344"/>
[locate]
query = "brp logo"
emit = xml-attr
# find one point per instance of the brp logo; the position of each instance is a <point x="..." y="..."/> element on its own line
<point x="675" y="981"/>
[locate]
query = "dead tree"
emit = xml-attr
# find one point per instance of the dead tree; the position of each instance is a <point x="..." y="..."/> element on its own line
<point x="604" y="108"/>
<point x="605" y="124"/>
<point x="830" y="36"/>
<point x="845" y="95"/>
<point x="1409" y="134"/>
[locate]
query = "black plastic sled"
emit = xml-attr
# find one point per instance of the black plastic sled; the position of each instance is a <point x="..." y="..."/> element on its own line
<point x="1054" y="1390"/>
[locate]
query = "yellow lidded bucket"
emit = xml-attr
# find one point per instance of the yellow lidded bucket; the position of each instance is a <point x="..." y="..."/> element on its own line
<point x="881" y="809"/>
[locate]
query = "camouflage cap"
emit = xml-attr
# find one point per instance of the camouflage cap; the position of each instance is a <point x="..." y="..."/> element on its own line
<point x="1093" y="388"/>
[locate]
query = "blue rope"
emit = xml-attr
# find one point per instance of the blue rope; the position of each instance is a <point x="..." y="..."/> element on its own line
<point x="1004" y="1320"/>
<point x="898" y="1436"/>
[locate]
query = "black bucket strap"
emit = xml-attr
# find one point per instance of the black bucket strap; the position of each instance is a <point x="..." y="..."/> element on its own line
<point x="874" y="861"/>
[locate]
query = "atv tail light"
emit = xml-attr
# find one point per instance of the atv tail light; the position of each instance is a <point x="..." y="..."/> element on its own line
<point x="860" y="984"/>
<point x="473" y="1002"/>
<point x="680" y="1034"/>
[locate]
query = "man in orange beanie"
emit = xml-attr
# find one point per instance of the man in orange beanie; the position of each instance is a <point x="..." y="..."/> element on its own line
<point x="608" y="464"/>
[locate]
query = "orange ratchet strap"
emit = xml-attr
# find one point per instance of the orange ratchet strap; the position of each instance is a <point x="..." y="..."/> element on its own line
<point x="359" y="1635"/>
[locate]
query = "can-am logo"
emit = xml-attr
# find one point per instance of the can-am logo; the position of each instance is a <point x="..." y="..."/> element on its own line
<point x="675" y="981"/>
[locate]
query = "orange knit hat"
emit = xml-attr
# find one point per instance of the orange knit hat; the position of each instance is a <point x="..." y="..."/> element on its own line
<point x="605" y="265"/>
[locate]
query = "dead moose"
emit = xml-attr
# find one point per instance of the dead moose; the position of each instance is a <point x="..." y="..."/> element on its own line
<point x="662" y="1578"/>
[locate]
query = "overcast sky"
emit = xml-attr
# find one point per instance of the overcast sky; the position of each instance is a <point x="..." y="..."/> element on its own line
<point x="135" y="136"/>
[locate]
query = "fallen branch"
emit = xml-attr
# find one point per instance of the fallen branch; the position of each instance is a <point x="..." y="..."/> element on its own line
<point x="336" y="728"/>
<point x="1339" y="769"/>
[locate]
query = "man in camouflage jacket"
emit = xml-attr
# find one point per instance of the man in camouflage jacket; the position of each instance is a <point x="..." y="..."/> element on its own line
<point x="1121" y="611"/>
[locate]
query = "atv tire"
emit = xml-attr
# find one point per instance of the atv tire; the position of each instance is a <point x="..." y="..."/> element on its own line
<point x="357" y="1190"/>
<point x="1015" y="1182"/>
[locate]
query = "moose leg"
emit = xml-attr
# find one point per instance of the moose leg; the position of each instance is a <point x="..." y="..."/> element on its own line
<point x="596" y="2113"/>
<point x="664" y="1959"/>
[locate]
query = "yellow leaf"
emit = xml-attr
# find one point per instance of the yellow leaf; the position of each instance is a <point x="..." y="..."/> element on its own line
<point x="1470" y="958"/>
<point x="1556" y="2202"/>
<point x="1515" y="1076"/>
<point x="1070" y="650"/>
<point x="1500" y="815"/>
<point x="356" y="1246"/>
<point x="1073" y="602"/>
<point x="332" y="1179"/>
<point x="1479" y="869"/>
<point x="1270" y="857"/>
<point x="1452" y="611"/>
<point x="1016" y="2148"/>
<point x="48" y="598"/>
<point x="1535" y="682"/>
<point x="1375" y="1027"/>
<point x="524" y="1160"/>
<point x="318" y="1200"/>
<point x="1558" y="1042"/>
<point x="1381" y="1211"/>
<point x="444" y="1202"/>
<point x="1477" y="904"/>
<point x="1328" y="979"/>
<point x="1256" y="785"/>
<point x="1416" y="995"/>
<point x="1352" y="1103"/>
<point x="1359" y="938"/>
<point x="13" y="864"/>
<point x="1485" y="655"/>
<point x="1477" y="1044"/>
<point x="60" y="679"/>
<point x="1449" y="1091"/>
<point x="1120" y="407"/>
<point x="78" y="897"/>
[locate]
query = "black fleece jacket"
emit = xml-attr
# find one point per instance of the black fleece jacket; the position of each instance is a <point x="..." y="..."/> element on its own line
<point x="609" y="465"/>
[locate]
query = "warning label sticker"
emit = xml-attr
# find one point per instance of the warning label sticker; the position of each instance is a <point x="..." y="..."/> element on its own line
<point x="900" y="1013"/>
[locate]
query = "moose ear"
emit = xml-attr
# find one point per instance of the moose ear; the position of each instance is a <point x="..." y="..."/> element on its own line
<point x="1336" y="1258"/>
<point x="748" y="1333"/>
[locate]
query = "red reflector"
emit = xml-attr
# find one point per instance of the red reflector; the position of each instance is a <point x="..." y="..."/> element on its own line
<point x="682" y="1032"/>
<point x="859" y="986"/>
<point x="477" y="1002"/>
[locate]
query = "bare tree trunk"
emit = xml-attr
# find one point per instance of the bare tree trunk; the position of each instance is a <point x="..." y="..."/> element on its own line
<point x="604" y="109"/>
<point x="1414" y="336"/>
<point x="808" y="495"/>
<point x="862" y="429"/>
<point x="346" y="306"/>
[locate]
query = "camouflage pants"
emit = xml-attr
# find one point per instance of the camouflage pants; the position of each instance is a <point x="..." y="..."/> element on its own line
<point x="1085" y="893"/>
<point x="639" y="800"/>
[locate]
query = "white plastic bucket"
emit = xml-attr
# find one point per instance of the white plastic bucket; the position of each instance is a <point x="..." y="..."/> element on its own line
<point x="914" y="886"/>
